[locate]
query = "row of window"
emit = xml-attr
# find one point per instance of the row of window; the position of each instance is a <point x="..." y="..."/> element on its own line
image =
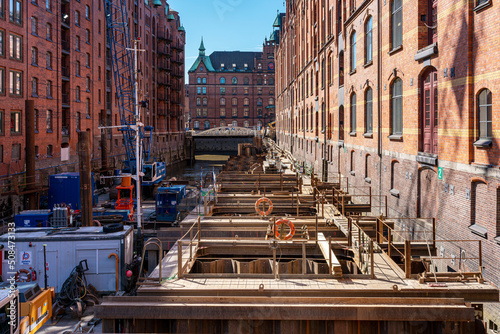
<point x="206" y="124"/>
<point x="203" y="91"/>
<point x="16" y="152"/>
<point x="222" y="112"/>
<point x="484" y="112"/>
<point x="16" y="122"/>
<point x="234" y="81"/>
<point x="234" y="101"/>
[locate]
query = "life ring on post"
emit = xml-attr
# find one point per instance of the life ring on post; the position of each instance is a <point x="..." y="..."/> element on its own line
<point x="259" y="202"/>
<point x="23" y="275"/>
<point x="290" y="225"/>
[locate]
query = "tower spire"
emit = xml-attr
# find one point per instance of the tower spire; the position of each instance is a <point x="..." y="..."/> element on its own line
<point x="202" y="48"/>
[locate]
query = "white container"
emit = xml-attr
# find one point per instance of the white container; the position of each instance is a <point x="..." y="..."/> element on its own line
<point x="65" y="250"/>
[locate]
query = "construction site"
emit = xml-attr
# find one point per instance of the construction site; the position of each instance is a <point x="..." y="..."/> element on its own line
<point x="272" y="249"/>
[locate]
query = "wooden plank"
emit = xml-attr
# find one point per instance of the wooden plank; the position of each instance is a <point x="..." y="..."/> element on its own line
<point x="330" y="257"/>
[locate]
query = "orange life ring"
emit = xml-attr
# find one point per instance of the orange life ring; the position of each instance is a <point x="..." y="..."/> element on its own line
<point x="259" y="202"/>
<point x="23" y="271"/>
<point x="289" y="224"/>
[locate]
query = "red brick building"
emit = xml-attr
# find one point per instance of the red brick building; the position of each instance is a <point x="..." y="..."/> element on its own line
<point x="55" y="53"/>
<point x="400" y="96"/>
<point x="232" y="88"/>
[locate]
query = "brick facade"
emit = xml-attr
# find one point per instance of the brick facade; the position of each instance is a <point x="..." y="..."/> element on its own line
<point x="446" y="55"/>
<point x="232" y="89"/>
<point x="64" y="46"/>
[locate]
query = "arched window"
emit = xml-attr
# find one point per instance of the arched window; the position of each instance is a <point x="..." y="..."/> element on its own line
<point x="196" y="125"/>
<point x="368" y="40"/>
<point x="222" y="124"/>
<point x="396" y="23"/>
<point x="353" y="113"/>
<point x="234" y="101"/>
<point x="485" y="115"/>
<point x="329" y="69"/>
<point x="198" y="80"/>
<point x="246" y="101"/>
<point x="353" y="51"/>
<point x="394" y="169"/>
<point x="397" y="107"/>
<point x="222" y="101"/>
<point x="367" y="168"/>
<point x="234" y="81"/>
<point x="77" y="93"/>
<point x="323" y="74"/>
<point x="198" y="101"/>
<point x="270" y="101"/>
<point x="222" y="81"/>
<point x="207" y="124"/>
<point x="341" y="69"/>
<point x="271" y="81"/>
<point x="204" y="80"/>
<point x="369" y="111"/>
<point x="246" y="124"/>
<point x="259" y="101"/>
<point x="205" y="101"/>
<point x="246" y="81"/>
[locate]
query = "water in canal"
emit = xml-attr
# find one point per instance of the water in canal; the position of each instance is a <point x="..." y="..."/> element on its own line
<point x="204" y="164"/>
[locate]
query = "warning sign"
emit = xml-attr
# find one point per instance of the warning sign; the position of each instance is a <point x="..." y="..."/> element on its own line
<point x="26" y="258"/>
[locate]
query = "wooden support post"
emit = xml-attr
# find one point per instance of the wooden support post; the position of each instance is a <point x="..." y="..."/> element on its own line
<point x="190" y="244"/>
<point x="372" y="260"/>
<point x="389" y="241"/>
<point x="330" y="255"/>
<point x="407" y="258"/>
<point x="343" y="206"/>
<point x="179" y="259"/>
<point x="85" y="169"/>
<point x="359" y="245"/>
<point x="349" y="232"/>
<point x="378" y="231"/>
<point x="199" y="231"/>
<point x="304" y="258"/>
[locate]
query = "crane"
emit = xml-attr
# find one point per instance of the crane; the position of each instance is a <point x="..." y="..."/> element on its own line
<point x="123" y="62"/>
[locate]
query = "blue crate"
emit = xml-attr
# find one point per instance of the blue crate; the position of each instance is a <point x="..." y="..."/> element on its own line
<point x="33" y="218"/>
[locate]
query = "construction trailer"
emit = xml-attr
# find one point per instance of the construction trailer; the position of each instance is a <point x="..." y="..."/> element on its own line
<point x="343" y="270"/>
<point x="64" y="250"/>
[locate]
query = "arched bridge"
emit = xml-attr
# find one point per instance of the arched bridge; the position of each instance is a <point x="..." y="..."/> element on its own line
<point x="223" y="140"/>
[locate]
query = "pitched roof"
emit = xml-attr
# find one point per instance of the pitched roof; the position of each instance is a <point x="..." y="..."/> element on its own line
<point x="239" y="58"/>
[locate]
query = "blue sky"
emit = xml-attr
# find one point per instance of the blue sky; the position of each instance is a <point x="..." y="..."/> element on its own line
<point x="226" y="25"/>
